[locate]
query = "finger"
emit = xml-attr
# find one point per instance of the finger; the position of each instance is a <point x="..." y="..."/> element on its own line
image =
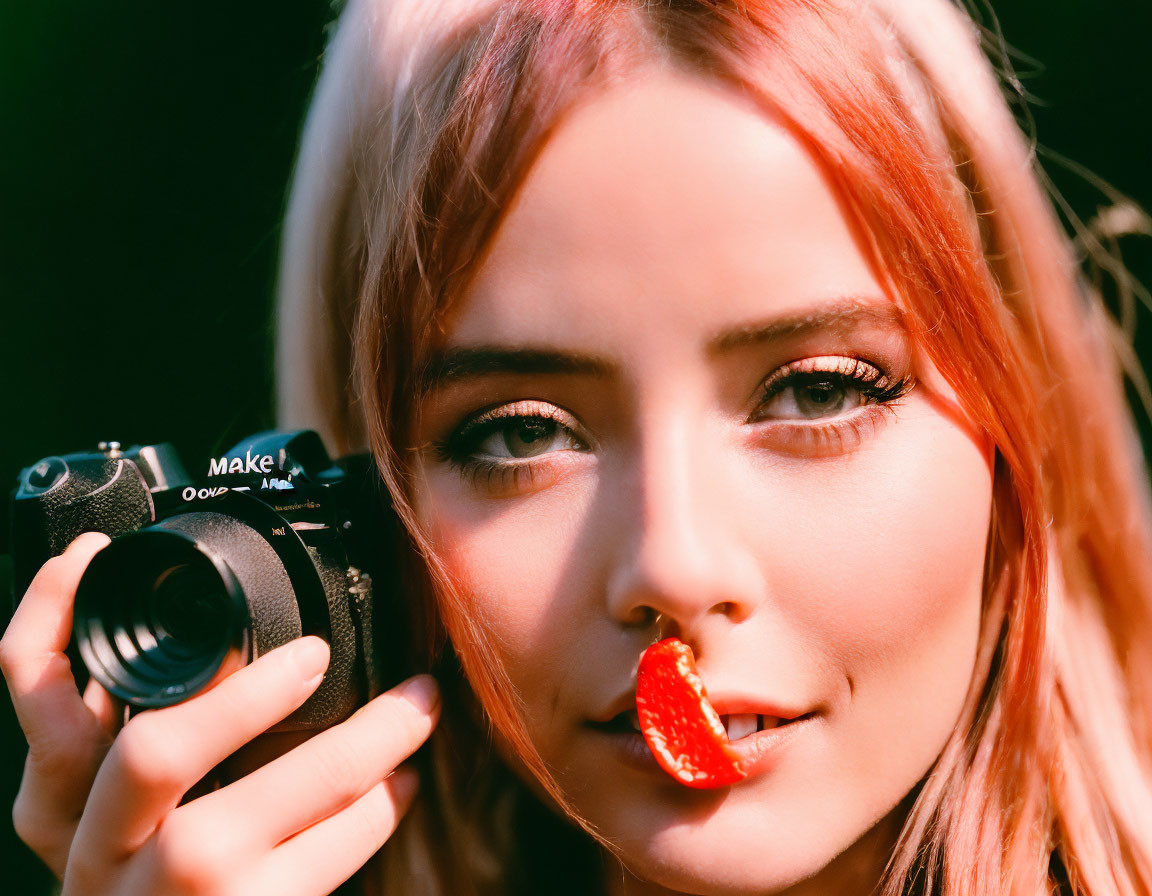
<point x="162" y="753"/>
<point x="263" y="750"/>
<point x="209" y="783"/>
<point x="334" y="768"/>
<point x="40" y="821"/>
<point x="257" y="752"/>
<point x="39" y="675"/>
<point x="321" y="858"/>
<point x="66" y="742"/>
<point x="106" y="709"/>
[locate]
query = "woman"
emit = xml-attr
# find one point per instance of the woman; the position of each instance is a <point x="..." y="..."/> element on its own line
<point x="741" y="323"/>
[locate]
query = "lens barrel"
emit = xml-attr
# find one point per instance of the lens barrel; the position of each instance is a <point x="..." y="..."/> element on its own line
<point x="159" y="609"/>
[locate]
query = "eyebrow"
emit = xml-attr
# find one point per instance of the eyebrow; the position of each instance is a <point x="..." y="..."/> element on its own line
<point x="474" y="361"/>
<point x="470" y="362"/>
<point x="837" y="319"/>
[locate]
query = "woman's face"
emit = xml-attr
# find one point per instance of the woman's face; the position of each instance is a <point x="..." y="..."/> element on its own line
<point x="678" y="386"/>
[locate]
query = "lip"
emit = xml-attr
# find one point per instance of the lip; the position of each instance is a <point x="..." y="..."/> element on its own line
<point x="725" y="702"/>
<point x="759" y="753"/>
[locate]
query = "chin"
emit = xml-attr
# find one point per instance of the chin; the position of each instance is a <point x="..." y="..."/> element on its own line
<point x="723" y="848"/>
<point x="755" y="843"/>
<point x="755" y="864"/>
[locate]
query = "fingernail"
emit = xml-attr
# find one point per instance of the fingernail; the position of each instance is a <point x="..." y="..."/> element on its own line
<point x="311" y="657"/>
<point x="421" y="692"/>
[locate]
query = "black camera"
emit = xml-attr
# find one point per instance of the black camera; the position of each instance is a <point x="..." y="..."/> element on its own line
<point x="277" y="541"/>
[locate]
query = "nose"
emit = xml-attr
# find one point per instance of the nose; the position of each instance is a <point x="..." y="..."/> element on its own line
<point x="681" y="540"/>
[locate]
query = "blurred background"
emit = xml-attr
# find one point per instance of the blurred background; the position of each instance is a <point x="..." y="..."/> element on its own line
<point x="145" y="150"/>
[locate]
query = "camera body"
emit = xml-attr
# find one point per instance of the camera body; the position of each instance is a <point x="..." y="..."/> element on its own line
<point x="277" y="541"/>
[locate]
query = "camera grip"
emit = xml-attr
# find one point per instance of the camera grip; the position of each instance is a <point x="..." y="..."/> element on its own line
<point x="110" y="497"/>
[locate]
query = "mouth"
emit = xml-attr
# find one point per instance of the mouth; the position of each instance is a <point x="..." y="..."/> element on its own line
<point x="738" y="725"/>
<point x="760" y="741"/>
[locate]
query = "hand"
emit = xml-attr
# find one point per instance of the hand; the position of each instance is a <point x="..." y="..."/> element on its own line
<point x="103" y="809"/>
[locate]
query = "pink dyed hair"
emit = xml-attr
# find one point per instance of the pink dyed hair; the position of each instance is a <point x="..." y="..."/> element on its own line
<point x="425" y="121"/>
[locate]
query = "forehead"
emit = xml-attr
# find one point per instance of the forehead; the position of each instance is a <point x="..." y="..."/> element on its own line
<point x="666" y="205"/>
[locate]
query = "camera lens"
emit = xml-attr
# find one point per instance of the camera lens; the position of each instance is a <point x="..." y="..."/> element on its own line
<point x="156" y="617"/>
<point x="187" y="607"/>
<point x="159" y="609"/>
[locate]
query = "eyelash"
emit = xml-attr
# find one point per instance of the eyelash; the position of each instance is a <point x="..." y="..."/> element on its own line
<point x="459" y="449"/>
<point x="881" y="396"/>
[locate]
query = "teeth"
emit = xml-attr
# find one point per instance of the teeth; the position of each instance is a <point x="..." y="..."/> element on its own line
<point x="741" y="725"/>
<point x="737" y="725"/>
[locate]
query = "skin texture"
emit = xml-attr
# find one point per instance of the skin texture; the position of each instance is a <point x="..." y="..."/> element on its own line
<point x="117" y="810"/>
<point x="837" y="574"/>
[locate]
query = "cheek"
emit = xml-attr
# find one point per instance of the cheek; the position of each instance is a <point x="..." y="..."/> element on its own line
<point x="893" y="550"/>
<point x="508" y="562"/>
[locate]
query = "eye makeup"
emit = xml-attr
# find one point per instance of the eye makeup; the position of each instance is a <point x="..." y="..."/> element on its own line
<point x="513" y="433"/>
<point x="828" y="405"/>
<point x="814" y="407"/>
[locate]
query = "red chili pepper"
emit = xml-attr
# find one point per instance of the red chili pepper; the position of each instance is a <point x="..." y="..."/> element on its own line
<point x="679" y="724"/>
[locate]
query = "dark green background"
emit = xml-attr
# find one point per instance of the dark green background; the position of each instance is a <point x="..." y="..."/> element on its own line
<point x="144" y="152"/>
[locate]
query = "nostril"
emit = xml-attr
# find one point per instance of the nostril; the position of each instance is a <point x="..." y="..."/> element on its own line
<point x="641" y="617"/>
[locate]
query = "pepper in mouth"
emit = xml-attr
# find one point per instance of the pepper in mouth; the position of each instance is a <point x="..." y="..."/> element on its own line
<point x="679" y="723"/>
